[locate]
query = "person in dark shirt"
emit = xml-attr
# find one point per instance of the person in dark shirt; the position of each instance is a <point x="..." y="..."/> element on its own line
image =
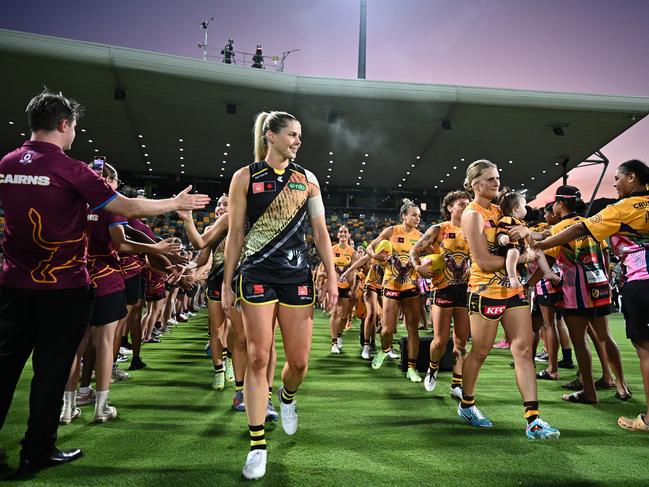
<point x="45" y="292"/>
<point x="277" y="197"/>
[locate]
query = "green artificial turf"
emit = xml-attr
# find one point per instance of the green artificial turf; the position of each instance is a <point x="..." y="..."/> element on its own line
<point x="357" y="427"/>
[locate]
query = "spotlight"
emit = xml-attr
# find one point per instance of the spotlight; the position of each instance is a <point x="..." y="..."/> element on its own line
<point x="446" y="125"/>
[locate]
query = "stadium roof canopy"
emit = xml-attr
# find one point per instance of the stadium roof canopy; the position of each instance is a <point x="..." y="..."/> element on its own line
<point x="175" y="111"/>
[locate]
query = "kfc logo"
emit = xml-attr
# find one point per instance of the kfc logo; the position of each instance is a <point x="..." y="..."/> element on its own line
<point x="257" y="188"/>
<point x="303" y="290"/>
<point x="493" y="310"/>
<point x="258" y="288"/>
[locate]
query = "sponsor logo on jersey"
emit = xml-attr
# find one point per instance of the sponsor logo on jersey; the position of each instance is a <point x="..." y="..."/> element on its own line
<point x="24" y="179"/>
<point x="297" y="186"/>
<point x="262" y="187"/>
<point x="390" y="294"/>
<point x="442" y="301"/>
<point x="493" y="310"/>
<point x="303" y="290"/>
<point x="258" y="288"/>
<point x="92" y="217"/>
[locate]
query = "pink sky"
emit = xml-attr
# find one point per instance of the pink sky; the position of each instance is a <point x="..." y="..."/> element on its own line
<point x="585" y="46"/>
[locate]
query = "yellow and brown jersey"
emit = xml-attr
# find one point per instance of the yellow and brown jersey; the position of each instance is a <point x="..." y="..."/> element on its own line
<point x="399" y="274"/>
<point x="275" y="249"/>
<point x="374" y="277"/>
<point x="342" y="261"/>
<point x="218" y="258"/>
<point x="493" y="285"/>
<point x="454" y="249"/>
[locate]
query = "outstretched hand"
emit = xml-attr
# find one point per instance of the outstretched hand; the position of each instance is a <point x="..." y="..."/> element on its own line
<point x="187" y="201"/>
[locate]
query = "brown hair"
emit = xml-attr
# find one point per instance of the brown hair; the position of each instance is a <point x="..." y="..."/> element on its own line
<point x="508" y="199"/>
<point x="265" y="121"/>
<point x="451" y="198"/>
<point x="407" y="204"/>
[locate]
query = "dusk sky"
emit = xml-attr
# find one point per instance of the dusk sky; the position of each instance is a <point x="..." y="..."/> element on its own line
<point x="585" y="46"/>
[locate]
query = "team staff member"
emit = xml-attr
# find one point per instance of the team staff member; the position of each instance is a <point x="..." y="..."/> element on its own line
<point x="491" y="300"/>
<point x="276" y="196"/>
<point x="449" y="288"/>
<point x="400" y="291"/>
<point x="344" y="256"/>
<point x="45" y="196"/>
<point x="586" y="297"/>
<point x="627" y="226"/>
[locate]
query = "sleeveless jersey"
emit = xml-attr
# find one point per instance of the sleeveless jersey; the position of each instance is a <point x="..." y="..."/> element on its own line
<point x="342" y="261"/>
<point x="494" y="285"/>
<point x="627" y="224"/>
<point x="374" y="277"/>
<point x="275" y="249"/>
<point x="585" y="280"/>
<point x="218" y="258"/>
<point x="399" y="274"/>
<point x="453" y="248"/>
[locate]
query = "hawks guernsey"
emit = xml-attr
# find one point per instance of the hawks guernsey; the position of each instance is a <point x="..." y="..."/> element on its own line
<point x="627" y="224"/>
<point x="218" y="258"/>
<point x="374" y="277"/>
<point x="399" y="274"/>
<point x="342" y="262"/>
<point x="493" y="285"/>
<point x="585" y="281"/>
<point x="454" y="249"/>
<point x="275" y="249"/>
<point x="45" y="196"/>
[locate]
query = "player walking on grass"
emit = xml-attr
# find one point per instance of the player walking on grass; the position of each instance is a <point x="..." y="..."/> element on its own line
<point x="277" y="197"/>
<point x="400" y="290"/>
<point x="449" y="288"/>
<point x="492" y="300"/>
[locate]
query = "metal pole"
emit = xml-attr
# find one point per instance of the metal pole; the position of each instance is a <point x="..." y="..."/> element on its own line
<point x="205" y="47"/>
<point x="564" y="171"/>
<point x="605" y="161"/>
<point x="361" y="40"/>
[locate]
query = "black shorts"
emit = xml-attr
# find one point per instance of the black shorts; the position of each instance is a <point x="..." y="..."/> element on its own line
<point x="344" y="293"/>
<point x="132" y="291"/>
<point x="493" y="309"/>
<point x="213" y="291"/>
<point x="636" y="318"/>
<point x="108" y="308"/>
<point x="449" y="297"/>
<point x="549" y="300"/>
<point x="370" y="289"/>
<point x="401" y="295"/>
<point x="300" y="295"/>
<point x="597" y="312"/>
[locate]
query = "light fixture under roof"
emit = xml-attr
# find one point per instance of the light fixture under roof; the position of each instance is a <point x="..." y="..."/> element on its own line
<point x="454" y="167"/>
<point x="363" y="163"/>
<point x="441" y="180"/>
<point x="143" y="146"/>
<point x="180" y="140"/>
<point x="328" y="176"/>
<point x="225" y="153"/>
<point x="462" y="160"/>
<point x="358" y="184"/>
<point x="544" y="171"/>
<point x="532" y="178"/>
<point x="182" y="157"/>
<point x="146" y="155"/>
<point x="361" y="170"/>
<point x="181" y="149"/>
<point x="225" y="162"/>
<point x="222" y="169"/>
<point x="556" y="163"/>
<point x="331" y="162"/>
<point x="182" y="172"/>
<point x="399" y="184"/>
<point x="150" y="169"/>
<point x="360" y="177"/>
<point x="329" y="169"/>
<point x="139" y="135"/>
<point x="331" y="153"/>
<point x="435" y="186"/>
<point x="418" y="157"/>
<point x="83" y="130"/>
<point x="22" y="134"/>
<point x="408" y="172"/>
<point x="412" y="165"/>
<point x="90" y="140"/>
<point x="96" y="150"/>
<point x="11" y="123"/>
<point x="227" y="144"/>
<point x="182" y="165"/>
<point x="403" y="179"/>
<point x="448" y="175"/>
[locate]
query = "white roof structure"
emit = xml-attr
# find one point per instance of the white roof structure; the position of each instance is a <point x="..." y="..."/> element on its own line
<point x="378" y="134"/>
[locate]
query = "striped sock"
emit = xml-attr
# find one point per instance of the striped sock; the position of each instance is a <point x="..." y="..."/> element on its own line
<point x="467" y="401"/>
<point x="224" y="354"/>
<point x="456" y="381"/>
<point x="257" y="437"/>
<point x="386" y="349"/>
<point x="433" y="365"/>
<point x="287" y="396"/>
<point x="412" y="363"/>
<point x="238" y="385"/>
<point x="228" y="353"/>
<point x="218" y="369"/>
<point x="270" y="393"/>
<point x="531" y="411"/>
<point x="334" y="341"/>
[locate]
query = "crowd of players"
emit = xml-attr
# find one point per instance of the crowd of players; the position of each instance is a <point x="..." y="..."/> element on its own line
<point x="79" y="249"/>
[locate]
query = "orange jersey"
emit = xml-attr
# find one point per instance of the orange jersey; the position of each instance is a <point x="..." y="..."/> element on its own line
<point x="374" y="277"/>
<point x="342" y="261"/>
<point x="399" y="274"/>
<point x="453" y="247"/>
<point x="493" y="285"/>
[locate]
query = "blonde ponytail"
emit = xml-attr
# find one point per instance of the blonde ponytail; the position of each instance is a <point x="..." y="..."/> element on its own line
<point x="259" y="137"/>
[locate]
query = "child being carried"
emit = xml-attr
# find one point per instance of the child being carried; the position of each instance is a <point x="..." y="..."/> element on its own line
<point x="512" y="205"/>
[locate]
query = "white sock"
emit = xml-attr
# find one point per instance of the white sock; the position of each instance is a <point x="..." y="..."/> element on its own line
<point x="101" y="401"/>
<point x="69" y="399"/>
<point x="84" y="390"/>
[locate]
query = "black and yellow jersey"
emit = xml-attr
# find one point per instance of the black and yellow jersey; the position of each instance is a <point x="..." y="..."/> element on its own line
<point x="275" y="249"/>
<point x="218" y="258"/>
